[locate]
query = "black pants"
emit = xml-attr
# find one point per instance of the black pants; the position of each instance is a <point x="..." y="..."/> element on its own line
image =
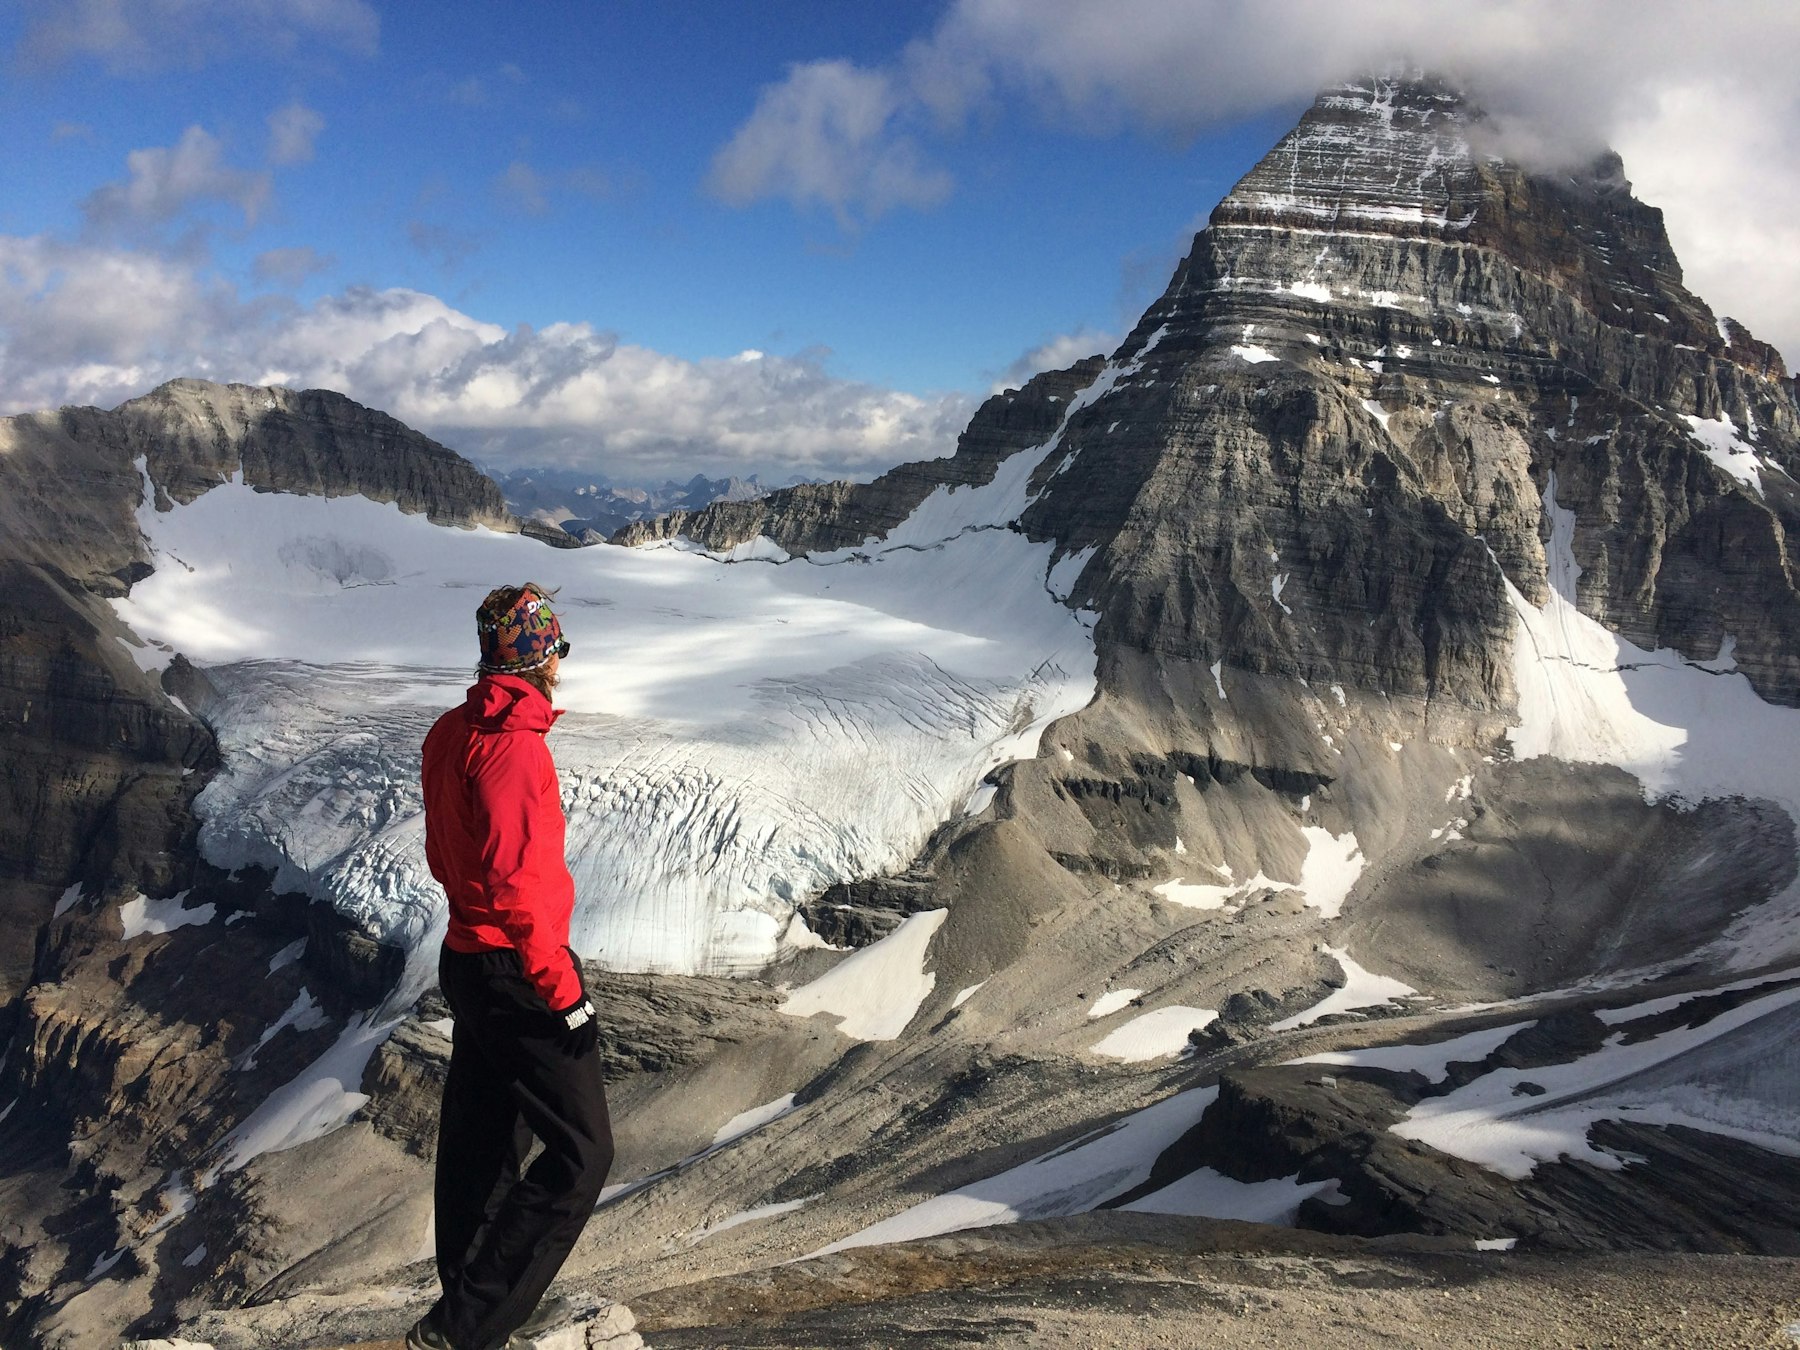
<point x="502" y="1236"/>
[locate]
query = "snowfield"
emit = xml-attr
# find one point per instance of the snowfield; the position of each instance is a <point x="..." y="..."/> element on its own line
<point x="738" y="736"/>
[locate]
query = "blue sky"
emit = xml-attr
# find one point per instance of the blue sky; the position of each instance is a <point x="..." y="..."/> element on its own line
<point x="896" y="206"/>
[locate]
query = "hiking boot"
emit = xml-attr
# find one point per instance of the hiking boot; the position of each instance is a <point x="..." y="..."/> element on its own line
<point x="547" y="1316"/>
<point x="426" y="1336"/>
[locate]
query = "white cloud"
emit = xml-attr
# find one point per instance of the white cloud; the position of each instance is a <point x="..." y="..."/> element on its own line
<point x="82" y="323"/>
<point x="1700" y="98"/>
<point x="828" y="135"/>
<point x="164" y="181"/>
<point x="1730" y="195"/>
<point x="1057" y="353"/>
<point x="138" y="36"/>
<point x="292" y="131"/>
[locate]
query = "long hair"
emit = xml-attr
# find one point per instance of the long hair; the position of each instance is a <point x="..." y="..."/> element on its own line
<point x="540" y="679"/>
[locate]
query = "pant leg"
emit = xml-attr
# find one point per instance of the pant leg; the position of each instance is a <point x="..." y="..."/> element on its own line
<point x="562" y="1099"/>
<point x="482" y="1137"/>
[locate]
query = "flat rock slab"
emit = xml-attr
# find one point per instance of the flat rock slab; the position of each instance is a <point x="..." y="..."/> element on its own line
<point x="1125" y="1284"/>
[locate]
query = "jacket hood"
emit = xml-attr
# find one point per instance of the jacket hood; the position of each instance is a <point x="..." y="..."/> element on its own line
<point x="508" y="703"/>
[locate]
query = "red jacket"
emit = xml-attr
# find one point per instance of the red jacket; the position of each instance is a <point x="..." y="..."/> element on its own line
<point x="494" y="832"/>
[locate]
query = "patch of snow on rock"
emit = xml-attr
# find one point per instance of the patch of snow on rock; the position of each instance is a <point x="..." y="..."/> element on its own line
<point x="1333" y="864"/>
<point x="1729" y="451"/>
<point x="1073" y="1179"/>
<point x="751" y="1215"/>
<point x="1686" y="733"/>
<point x="303" y="1014"/>
<point x="1160" y="1034"/>
<point x="1361" y="989"/>
<point x="1715" y="1077"/>
<point x="875" y="992"/>
<point x="1433" y="1060"/>
<point x="321" y="1098"/>
<point x="1066" y="570"/>
<point x="141" y="915"/>
<point x="753" y="1119"/>
<point x="1207" y="1194"/>
<point x="1111" y="1001"/>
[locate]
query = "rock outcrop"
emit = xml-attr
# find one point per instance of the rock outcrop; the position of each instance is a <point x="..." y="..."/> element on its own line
<point x="133" y="1052"/>
<point x="1379" y="350"/>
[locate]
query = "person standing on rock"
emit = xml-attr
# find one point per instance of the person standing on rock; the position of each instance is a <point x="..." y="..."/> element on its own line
<point x="524" y="1059"/>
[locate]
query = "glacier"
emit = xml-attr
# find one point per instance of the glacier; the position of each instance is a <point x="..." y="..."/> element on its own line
<point x="739" y="733"/>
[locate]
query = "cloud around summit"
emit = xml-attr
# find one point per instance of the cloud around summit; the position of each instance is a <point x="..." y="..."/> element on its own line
<point x="1700" y="99"/>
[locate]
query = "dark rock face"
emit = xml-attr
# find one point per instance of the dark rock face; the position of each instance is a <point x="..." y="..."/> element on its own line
<point x="856" y="913"/>
<point x="313" y="442"/>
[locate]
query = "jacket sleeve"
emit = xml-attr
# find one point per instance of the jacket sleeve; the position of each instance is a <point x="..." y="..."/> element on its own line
<point x="519" y="816"/>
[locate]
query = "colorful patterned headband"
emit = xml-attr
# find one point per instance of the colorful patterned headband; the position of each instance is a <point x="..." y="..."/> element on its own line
<point x="518" y="629"/>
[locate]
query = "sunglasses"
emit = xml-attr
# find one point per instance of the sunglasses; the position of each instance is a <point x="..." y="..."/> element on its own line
<point x="561" y="648"/>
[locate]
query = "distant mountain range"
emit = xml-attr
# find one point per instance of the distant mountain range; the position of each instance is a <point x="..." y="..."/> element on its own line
<point x="591" y="507"/>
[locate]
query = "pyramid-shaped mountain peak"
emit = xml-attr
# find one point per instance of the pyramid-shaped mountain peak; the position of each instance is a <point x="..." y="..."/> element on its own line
<point x="1326" y="450"/>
